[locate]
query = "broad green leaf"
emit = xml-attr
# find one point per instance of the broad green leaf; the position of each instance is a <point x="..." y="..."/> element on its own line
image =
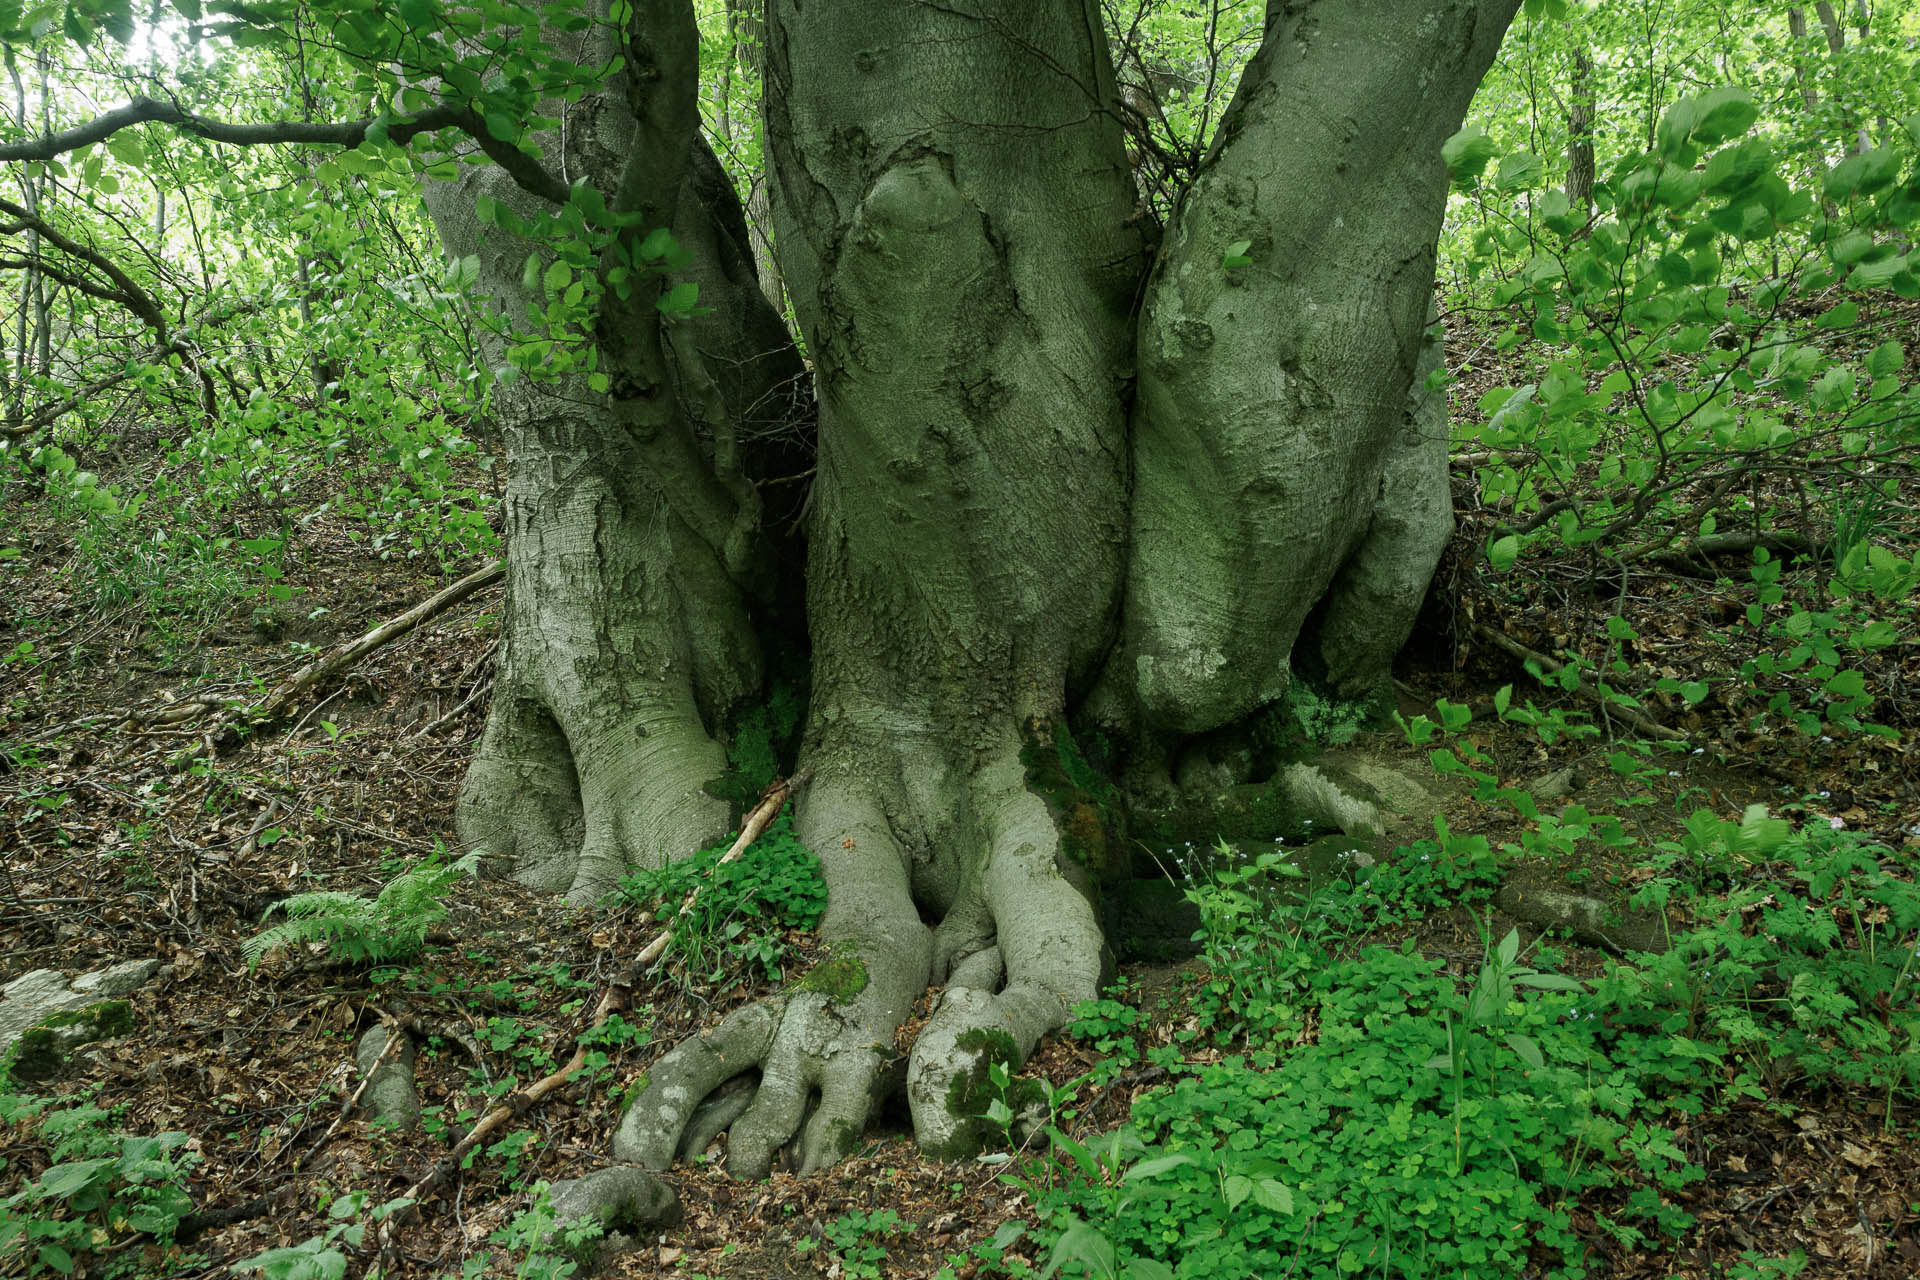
<point x="1527" y="1049"/>
<point x="1466" y="155"/>
<point x="1504" y="552"/>
<point x="1156" y="1166"/>
<point x="1725" y="113"/>
<point x="1273" y="1195"/>
<point x="1886" y="359"/>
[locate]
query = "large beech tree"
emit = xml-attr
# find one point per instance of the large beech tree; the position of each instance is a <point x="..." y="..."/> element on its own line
<point x="1073" y="477"/>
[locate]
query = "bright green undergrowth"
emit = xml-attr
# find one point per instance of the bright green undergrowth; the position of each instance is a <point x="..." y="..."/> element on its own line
<point x="738" y="924"/>
<point x="100" y="1189"/>
<point x="1376" y="1115"/>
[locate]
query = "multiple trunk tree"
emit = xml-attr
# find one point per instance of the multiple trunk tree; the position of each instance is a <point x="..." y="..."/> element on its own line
<point x="1080" y="486"/>
<point x="1073" y="477"/>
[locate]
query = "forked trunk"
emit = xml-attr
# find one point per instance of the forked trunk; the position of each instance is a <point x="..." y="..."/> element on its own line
<point x="1060" y="481"/>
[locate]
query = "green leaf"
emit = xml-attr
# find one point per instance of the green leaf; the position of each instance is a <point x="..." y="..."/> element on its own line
<point x="502" y="126"/>
<point x="1502" y="699"/>
<point x="1236" y="255"/>
<point x="1273" y="1195"/>
<point x="680" y="300"/>
<point x="530" y="274"/>
<point x="1156" y="1166"/>
<point x="1528" y="1050"/>
<point x="657" y="245"/>
<point x="1724" y="113"/>
<point x="63" y="1181"/>
<point x="1886" y="360"/>
<point x="1237" y="1189"/>
<point x="1466" y="155"/>
<point x="1517" y="171"/>
<point x="1619" y="628"/>
<point x="128" y="149"/>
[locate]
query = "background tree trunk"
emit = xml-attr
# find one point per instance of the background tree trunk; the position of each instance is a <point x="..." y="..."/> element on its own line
<point x="1580" y="124"/>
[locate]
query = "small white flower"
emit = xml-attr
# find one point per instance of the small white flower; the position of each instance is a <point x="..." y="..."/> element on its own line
<point x="1836" y="823"/>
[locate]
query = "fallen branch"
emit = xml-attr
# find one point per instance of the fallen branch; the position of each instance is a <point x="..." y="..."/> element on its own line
<point x="346" y="655"/>
<point x="1692" y="558"/>
<point x="1586" y="688"/>
<point x="397" y="1033"/>
<point x="234" y="713"/>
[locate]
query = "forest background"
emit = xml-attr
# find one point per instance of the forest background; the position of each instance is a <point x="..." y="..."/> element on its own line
<point x="1662" y="684"/>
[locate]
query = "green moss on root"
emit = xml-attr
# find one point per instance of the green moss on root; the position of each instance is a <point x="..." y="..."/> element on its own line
<point x="840" y="977"/>
<point x="973" y="1092"/>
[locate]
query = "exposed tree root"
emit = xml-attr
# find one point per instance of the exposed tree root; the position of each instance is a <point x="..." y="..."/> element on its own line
<point x="1017" y="949"/>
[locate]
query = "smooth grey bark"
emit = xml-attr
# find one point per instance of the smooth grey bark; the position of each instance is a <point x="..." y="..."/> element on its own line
<point x="1054" y="480"/>
<point x="954" y="217"/>
<point x="952" y="202"/>
<point x="1273" y="396"/>
<point x="633" y="547"/>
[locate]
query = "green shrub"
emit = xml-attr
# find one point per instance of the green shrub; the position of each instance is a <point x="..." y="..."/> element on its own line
<point x="101" y="1188"/>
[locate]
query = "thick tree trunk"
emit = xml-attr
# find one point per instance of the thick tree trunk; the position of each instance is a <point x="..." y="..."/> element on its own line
<point x="634" y="555"/>
<point x="954" y="214"/>
<point x="1003" y="536"/>
<point x="1278" y="463"/>
<point x="952" y="205"/>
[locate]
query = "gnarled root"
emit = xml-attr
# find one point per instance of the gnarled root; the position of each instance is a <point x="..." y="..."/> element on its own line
<point x="1018" y="949"/>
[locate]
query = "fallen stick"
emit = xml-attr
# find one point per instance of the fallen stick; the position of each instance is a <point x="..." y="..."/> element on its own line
<point x="343" y="656"/>
<point x="397" y="1032"/>
<point x="270" y="708"/>
<point x="257" y="714"/>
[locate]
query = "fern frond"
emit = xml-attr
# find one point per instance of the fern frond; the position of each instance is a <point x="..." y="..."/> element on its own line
<point x="390" y="927"/>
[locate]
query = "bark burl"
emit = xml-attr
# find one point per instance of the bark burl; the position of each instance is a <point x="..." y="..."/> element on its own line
<point x="1073" y="481"/>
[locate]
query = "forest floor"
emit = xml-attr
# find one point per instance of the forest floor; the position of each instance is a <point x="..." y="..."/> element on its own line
<point x="113" y="851"/>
